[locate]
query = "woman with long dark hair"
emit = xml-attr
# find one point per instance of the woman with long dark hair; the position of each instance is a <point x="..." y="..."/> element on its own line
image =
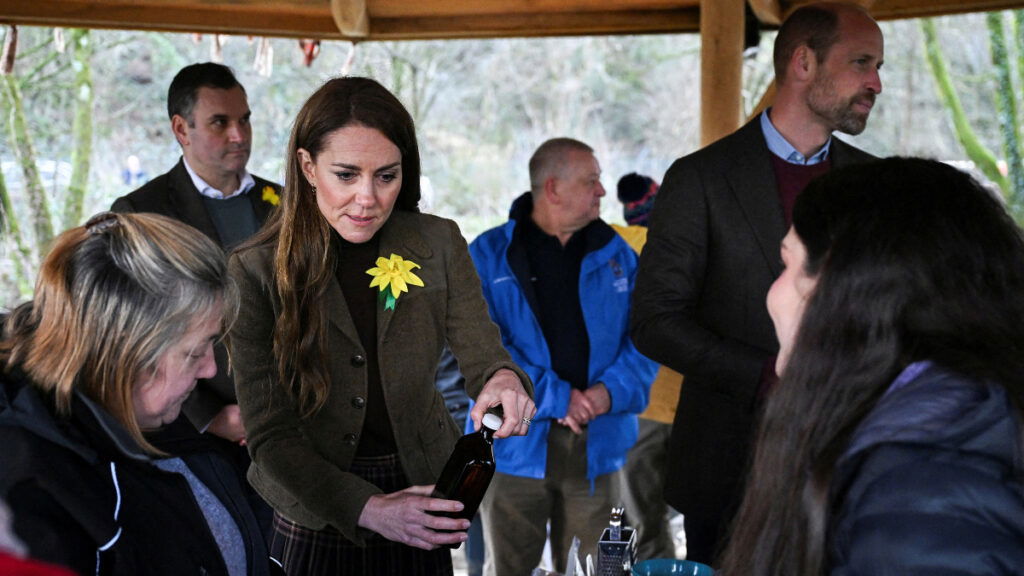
<point x="348" y="297"/>
<point x="893" y="443"/>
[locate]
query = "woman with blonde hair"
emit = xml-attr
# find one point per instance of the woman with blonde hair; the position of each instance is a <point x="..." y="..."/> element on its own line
<point x="348" y="297"/>
<point x="101" y="474"/>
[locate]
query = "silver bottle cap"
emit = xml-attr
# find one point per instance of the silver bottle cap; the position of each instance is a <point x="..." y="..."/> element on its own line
<point x="492" y="421"/>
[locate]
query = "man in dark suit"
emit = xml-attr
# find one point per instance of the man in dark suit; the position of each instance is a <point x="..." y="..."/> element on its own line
<point x="713" y="252"/>
<point x="210" y="189"/>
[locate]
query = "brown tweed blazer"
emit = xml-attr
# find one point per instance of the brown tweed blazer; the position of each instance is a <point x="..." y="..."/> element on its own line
<point x="300" y="466"/>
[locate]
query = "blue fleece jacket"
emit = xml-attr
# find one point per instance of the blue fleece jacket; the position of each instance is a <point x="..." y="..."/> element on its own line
<point x="607" y="277"/>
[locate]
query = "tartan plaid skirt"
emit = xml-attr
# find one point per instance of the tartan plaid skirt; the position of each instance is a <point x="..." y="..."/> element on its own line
<point x="306" y="552"/>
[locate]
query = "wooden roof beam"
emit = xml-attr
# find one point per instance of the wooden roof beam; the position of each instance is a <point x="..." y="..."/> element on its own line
<point x="534" y="25"/>
<point x="316" y="20"/>
<point x="773" y="12"/>
<point x="245" y="19"/>
<point x="423" y="19"/>
<point x="897" y="9"/>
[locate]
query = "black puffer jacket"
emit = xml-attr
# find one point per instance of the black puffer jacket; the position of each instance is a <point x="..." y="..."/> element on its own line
<point x="931" y="482"/>
<point x="83" y="494"/>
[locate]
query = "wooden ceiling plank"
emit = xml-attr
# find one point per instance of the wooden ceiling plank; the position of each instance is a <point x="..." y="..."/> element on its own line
<point x="253" y="20"/>
<point x="900" y="9"/>
<point x="283" y="20"/>
<point x="534" y="25"/>
<point x="314" y="18"/>
<point x="434" y="8"/>
<point x="905" y="9"/>
<point x="351" y="17"/>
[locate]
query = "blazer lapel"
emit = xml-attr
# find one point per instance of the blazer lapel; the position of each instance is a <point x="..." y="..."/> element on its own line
<point x="186" y="201"/>
<point x="399" y="236"/>
<point x="337" y="312"/>
<point x="754" y="187"/>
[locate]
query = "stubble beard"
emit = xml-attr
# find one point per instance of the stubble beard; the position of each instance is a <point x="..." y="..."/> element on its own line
<point x="838" y="114"/>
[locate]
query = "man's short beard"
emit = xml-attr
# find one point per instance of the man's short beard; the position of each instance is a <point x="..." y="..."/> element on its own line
<point x="840" y="115"/>
<point x="850" y="122"/>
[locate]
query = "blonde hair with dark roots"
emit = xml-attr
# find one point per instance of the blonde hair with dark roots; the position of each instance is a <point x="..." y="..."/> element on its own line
<point x="111" y="298"/>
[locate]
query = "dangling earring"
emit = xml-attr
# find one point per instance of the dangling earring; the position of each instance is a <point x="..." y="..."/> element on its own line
<point x="313" y="188"/>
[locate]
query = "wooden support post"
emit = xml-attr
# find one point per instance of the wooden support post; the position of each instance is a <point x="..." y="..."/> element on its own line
<point x="721" y="63"/>
<point x="351" y="17"/>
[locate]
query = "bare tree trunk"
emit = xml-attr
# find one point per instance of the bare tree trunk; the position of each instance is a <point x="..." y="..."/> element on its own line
<point x="21" y="142"/>
<point x="1018" y="40"/>
<point x="26" y="155"/>
<point x="9" y="224"/>
<point x="1007" y="109"/>
<point x="8" y="219"/>
<point x="976" y="151"/>
<point x="81" y="130"/>
<point x="907" y="128"/>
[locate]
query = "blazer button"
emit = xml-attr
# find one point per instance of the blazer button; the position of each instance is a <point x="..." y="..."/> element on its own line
<point x="350" y="439"/>
<point x="358" y="360"/>
<point x="358" y="401"/>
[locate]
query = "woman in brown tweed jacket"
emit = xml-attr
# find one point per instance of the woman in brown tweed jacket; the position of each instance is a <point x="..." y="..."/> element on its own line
<point x="348" y="297"/>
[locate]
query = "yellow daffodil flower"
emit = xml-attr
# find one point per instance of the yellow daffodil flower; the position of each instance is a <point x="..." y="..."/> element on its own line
<point x="394" y="273"/>
<point x="270" y="196"/>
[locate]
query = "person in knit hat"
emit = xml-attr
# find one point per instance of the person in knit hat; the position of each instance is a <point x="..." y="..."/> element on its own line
<point x="637" y="192"/>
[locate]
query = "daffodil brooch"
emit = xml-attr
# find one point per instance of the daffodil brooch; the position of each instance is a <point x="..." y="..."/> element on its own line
<point x="269" y="195"/>
<point x="394" y="273"/>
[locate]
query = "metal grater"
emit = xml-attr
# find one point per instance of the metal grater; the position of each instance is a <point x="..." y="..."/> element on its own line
<point x="616" y="550"/>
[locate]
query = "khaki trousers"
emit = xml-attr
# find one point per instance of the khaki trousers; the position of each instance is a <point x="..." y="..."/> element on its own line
<point x="516" y="510"/>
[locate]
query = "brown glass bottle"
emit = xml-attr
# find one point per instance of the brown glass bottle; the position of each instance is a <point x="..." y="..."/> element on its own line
<point x="469" y="470"/>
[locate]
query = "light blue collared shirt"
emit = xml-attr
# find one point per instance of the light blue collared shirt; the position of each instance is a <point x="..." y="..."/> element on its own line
<point x="245" y="182"/>
<point x="778" y="145"/>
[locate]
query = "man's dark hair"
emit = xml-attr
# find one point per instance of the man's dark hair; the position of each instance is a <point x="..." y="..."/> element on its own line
<point x="816" y="26"/>
<point x="184" y="90"/>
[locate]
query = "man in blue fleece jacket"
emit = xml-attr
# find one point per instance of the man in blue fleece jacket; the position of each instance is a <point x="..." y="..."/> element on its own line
<point x="558" y="281"/>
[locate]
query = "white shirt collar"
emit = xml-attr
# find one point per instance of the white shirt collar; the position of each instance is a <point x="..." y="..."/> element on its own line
<point x="245" y="181"/>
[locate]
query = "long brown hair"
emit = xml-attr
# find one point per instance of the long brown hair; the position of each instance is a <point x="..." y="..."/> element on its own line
<point x="304" y="260"/>
<point x="914" y="260"/>
<point x="111" y="298"/>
